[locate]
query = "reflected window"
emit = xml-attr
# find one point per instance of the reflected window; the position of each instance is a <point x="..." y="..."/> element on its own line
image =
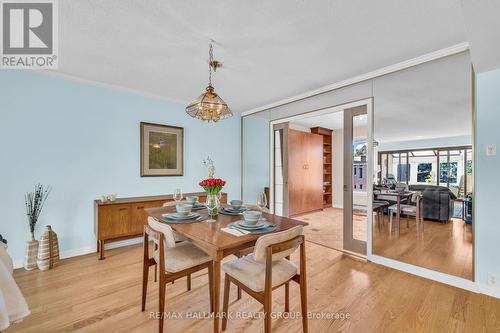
<point x="449" y="167"/>
<point x="424" y="173"/>
<point x="359" y="165"/>
<point x="403" y="173"/>
<point x="448" y="172"/>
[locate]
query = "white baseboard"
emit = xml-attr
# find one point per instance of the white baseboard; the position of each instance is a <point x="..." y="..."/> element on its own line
<point x="489" y="290"/>
<point x="123" y="243"/>
<point x="18" y="263"/>
<point x="427" y="273"/>
<point x="338" y="206"/>
<point x="451" y="280"/>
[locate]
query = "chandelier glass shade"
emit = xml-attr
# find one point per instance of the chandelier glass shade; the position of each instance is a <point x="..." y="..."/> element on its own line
<point x="209" y="106"/>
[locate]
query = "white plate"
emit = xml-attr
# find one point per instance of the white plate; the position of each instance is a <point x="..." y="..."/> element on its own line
<point x="232" y="210"/>
<point x="258" y="225"/>
<point x="176" y="216"/>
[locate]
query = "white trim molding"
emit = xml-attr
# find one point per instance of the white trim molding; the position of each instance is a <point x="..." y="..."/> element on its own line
<point x="458" y="48"/>
<point x="448" y="279"/>
<point x="425" y="273"/>
<point x="489" y="290"/>
<point x="110" y="86"/>
<point x="18" y="263"/>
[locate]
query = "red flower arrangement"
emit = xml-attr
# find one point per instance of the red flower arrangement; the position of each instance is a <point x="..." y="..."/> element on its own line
<point x="212" y="185"/>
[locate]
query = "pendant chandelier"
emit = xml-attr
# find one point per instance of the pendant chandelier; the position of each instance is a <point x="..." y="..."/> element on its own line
<point x="209" y="106"/>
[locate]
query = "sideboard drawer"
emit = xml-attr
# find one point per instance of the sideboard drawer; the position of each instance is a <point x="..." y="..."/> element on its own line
<point x="114" y="220"/>
<point x="140" y="217"/>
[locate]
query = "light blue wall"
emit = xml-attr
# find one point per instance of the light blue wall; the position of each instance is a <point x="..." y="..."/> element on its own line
<point x="255" y="157"/>
<point x="83" y="140"/>
<point x="487" y="216"/>
<point x="427" y="143"/>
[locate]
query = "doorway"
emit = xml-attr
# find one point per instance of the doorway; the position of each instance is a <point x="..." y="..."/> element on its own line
<point x="310" y="174"/>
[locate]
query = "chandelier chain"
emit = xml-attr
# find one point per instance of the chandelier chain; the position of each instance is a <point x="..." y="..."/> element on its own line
<point x="209" y="106"/>
<point x="210" y="62"/>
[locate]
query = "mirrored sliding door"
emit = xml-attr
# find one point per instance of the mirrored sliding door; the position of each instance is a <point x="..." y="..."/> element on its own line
<point x="424" y="175"/>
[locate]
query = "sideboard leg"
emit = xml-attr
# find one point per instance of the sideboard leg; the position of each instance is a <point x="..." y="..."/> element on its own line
<point x="101" y="249"/>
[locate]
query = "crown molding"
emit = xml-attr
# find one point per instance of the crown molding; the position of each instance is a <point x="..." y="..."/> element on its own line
<point x="458" y="48"/>
<point x="106" y="85"/>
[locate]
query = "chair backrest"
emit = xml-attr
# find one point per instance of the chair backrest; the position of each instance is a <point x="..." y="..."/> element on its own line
<point x="264" y="241"/>
<point x="165" y="229"/>
<point x="401" y="187"/>
<point x="415" y="195"/>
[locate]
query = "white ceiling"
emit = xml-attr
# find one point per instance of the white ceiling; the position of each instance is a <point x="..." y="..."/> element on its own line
<point x="425" y="102"/>
<point x="483" y="32"/>
<point x="270" y="49"/>
<point x="333" y="121"/>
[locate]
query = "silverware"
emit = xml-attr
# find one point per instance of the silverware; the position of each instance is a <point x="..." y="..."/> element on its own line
<point x="239" y="230"/>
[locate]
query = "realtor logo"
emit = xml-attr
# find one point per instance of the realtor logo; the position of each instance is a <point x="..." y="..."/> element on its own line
<point x="29" y="34"/>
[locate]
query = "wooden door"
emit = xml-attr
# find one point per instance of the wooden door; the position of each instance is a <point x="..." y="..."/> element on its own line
<point x="305" y="172"/>
<point x="296" y="171"/>
<point x="314" y="172"/>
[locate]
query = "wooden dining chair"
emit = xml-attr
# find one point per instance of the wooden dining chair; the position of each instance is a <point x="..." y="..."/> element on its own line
<point x="175" y="260"/>
<point x="409" y="210"/>
<point x="379" y="207"/>
<point x="268" y="268"/>
<point x="178" y="238"/>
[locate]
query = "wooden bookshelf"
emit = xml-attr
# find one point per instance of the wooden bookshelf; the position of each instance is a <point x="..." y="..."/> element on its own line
<point x="327" y="164"/>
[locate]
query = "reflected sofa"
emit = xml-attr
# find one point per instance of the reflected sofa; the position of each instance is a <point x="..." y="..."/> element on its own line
<point x="437" y="202"/>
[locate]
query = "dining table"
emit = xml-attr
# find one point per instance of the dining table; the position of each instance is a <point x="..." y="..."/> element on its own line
<point x="211" y="238"/>
<point x="399" y="196"/>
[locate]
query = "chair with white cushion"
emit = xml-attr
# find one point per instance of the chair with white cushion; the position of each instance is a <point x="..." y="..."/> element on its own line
<point x="409" y="210"/>
<point x="268" y="268"/>
<point x="178" y="237"/>
<point x="175" y="260"/>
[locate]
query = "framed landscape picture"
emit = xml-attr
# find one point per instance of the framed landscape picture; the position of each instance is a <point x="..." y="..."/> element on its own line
<point x="162" y="150"/>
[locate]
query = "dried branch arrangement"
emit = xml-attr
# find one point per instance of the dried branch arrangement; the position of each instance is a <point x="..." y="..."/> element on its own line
<point x="34" y="202"/>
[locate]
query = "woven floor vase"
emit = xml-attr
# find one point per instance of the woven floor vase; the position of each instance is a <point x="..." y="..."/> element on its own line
<point x="48" y="249"/>
<point x="30" y="255"/>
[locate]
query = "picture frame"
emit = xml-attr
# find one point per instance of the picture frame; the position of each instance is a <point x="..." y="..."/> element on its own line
<point x="162" y="150"/>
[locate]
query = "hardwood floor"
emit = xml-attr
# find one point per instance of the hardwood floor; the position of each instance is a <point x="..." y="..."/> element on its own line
<point x="84" y="294"/>
<point x="326" y="227"/>
<point x="444" y="247"/>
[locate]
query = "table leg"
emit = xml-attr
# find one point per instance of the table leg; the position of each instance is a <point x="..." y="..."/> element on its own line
<point x="417" y="217"/>
<point x="101" y="249"/>
<point x="421" y="216"/>
<point x="398" y="213"/>
<point x="216" y="288"/>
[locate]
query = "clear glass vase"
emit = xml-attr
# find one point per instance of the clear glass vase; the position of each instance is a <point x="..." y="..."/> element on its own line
<point x="212" y="205"/>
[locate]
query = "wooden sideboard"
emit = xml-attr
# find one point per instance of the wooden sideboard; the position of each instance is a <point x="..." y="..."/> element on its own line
<point x="125" y="217"/>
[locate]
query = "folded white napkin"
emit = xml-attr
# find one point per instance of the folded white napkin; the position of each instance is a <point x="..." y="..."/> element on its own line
<point x="235" y="232"/>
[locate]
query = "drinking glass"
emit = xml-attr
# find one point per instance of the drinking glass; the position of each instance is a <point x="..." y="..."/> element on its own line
<point x="178" y="194"/>
<point x="262" y="201"/>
